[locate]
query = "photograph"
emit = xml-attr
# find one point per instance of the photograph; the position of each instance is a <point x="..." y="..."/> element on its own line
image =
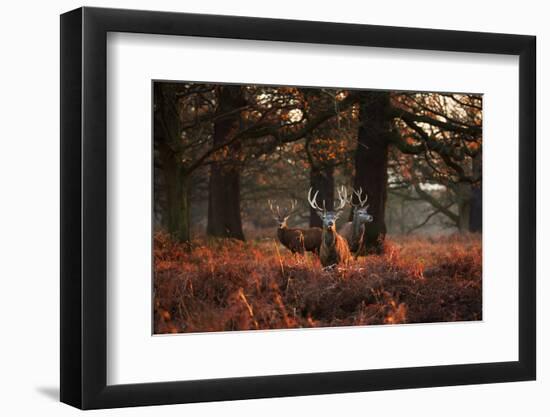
<point x="292" y="207"/>
<point x="271" y="209"/>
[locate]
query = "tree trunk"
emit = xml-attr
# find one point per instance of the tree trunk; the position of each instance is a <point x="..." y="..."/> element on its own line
<point x="224" y="211"/>
<point x="224" y="201"/>
<point x="174" y="216"/>
<point x="476" y="209"/>
<point x="175" y="213"/>
<point x="371" y="163"/>
<point x="322" y="180"/>
<point x="476" y="205"/>
<point x="402" y="225"/>
<point x="464" y="206"/>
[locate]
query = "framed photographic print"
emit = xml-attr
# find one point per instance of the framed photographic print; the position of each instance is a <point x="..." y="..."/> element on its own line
<point x="256" y="208"/>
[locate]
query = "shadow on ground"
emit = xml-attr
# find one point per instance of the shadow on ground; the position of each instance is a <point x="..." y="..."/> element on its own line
<point x="50" y="392"/>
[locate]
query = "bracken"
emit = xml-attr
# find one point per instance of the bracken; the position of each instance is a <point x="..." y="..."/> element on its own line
<point x="227" y="285"/>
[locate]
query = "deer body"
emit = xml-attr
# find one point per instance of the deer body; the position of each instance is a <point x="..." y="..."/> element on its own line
<point x="295" y="239"/>
<point x="334" y="248"/>
<point x="354" y="231"/>
<point x="292" y="239"/>
<point x="312" y="239"/>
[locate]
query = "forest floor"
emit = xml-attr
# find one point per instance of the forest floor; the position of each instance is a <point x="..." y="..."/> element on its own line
<point x="231" y="285"/>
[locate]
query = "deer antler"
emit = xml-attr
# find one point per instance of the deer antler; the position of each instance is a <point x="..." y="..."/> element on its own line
<point x="359" y="194"/>
<point x="275" y="213"/>
<point x="292" y="208"/>
<point x="277" y="210"/>
<point x="343" y="197"/>
<point x="313" y="201"/>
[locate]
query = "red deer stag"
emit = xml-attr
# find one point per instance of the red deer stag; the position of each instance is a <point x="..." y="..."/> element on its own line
<point x="295" y="239"/>
<point x="334" y="248"/>
<point x="353" y="231"/>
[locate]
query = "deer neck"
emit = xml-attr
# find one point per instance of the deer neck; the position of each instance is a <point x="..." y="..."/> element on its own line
<point x="356" y="227"/>
<point x="281" y="231"/>
<point x="329" y="236"/>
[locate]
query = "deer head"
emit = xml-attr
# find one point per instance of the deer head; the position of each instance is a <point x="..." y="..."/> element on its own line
<point x="360" y="209"/>
<point x="281" y="215"/>
<point x="328" y="217"/>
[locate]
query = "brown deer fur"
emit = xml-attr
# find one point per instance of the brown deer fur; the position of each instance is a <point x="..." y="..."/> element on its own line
<point x="300" y="240"/>
<point x="292" y="239"/>
<point x="354" y="231"/>
<point x="334" y="249"/>
<point x="346" y="231"/>
<point x="312" y="239"/>
<point x="295" y="239"/>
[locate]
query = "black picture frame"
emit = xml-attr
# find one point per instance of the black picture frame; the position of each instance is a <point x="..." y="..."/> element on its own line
<point x="84" y="207"/>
